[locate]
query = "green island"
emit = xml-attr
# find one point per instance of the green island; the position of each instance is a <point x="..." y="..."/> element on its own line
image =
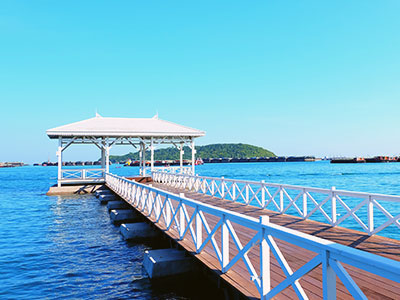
<point x="207" y="151"/>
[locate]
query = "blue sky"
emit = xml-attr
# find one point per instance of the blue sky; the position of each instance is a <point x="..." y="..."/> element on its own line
<point x="296" y="77"/>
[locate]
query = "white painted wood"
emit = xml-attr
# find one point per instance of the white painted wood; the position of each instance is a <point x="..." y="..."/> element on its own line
<point x="265" y="263"/>
<point x="224" y="244"/>
<point x="107" y="148"/>
<point x="181" y="152"/>
<point x="328" y="278"/>
<point x="328" y="253"/>
<point x="59" y="157"/>
<point x="152" y="153"/>
<point x="193" y="157"/>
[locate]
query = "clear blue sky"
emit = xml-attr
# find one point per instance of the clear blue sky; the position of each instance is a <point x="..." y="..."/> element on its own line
<point x="297" y="77"/>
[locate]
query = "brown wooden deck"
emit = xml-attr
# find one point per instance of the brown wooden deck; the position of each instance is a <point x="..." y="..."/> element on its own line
<point x="373" y="286"/>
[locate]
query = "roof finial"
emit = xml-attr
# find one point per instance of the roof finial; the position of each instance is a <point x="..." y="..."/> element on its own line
<point x="156" y="116"/>
<point x="97" y="114"/>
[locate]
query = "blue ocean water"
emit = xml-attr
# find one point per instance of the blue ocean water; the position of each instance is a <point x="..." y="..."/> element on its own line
<point x="66" y="247"/>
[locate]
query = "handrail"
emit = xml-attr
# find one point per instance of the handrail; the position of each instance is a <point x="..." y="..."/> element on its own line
<point x="306" y="202"/>
<point x="167" y="209"/>
<point x="82" y="173"/>
<point x="175" y="169"/>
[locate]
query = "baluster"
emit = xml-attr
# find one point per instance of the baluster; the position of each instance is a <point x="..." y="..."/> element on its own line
<point x="167" y="212"/>
<point x="304" y="203"/>
<point x="370" y="208"/>
<point x="262" y="194"/>
<point x="247" y="194"/>
<point x="199" y="230"/>
<point x="333" y="206"/>
<point x="181" y="217"/>
<point x="222" y="188"/>
<point x="280" y="199"/>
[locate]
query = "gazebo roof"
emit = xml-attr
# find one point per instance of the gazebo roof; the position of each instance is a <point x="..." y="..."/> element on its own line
<point x="123" y="127"/>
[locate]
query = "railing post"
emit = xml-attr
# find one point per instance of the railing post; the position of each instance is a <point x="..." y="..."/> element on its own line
<point x="304" y="203"/>
<point x="199" y="230"/>
<point x="262" y="194"/>
<point x="328" y="279"/>
<point x="247" y="194"/>
<point x="265" y="272"/>
<point x="222" y="188"/>
<point x="196" y="183"/>
<point x="280" y="199"/>
<point x="370" y="211"/>
<point x="83" y="174"/>
<point x="333" y="207"/>
<point x="167" y="212"/>
<point x="224" y="244"/>
<point x="181" y="217"/>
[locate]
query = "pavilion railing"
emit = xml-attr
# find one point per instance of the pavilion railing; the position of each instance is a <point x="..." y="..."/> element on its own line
<point x="337" y="207"/>
<point x="194" y="221"/>
<point x="73" y="174"/>
<point x="175" y="170"/>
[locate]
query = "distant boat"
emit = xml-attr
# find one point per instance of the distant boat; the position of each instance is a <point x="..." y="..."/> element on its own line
<point x="199" y="161"/>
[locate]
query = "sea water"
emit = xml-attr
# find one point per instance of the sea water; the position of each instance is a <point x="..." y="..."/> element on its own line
<point x="66" y="247"/>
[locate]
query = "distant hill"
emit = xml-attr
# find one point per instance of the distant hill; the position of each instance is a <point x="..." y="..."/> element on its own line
<point x="208" y="151"/>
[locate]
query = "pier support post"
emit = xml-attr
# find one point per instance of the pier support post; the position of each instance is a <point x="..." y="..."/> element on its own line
<point x="123" y="215"/>
<point x="117" y="204"/>
<point x="141" y="230"/>
<point x="166" y="262"/>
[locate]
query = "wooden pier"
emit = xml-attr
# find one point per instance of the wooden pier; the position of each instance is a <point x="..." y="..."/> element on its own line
<point x="200" y="231"/>
<point x="372" y="286"/>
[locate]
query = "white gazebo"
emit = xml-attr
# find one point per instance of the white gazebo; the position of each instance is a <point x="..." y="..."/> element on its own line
<point x="104" y="132"/>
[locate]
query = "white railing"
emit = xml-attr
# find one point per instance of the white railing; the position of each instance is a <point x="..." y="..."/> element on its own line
<point x="191" y="221"/>
<point x="72" y="174"/>
<point x="174" y="170"/>
<point x="351" y="209"/>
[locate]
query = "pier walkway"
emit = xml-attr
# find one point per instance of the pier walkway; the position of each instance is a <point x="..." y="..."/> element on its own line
<point x="263" y="253"/>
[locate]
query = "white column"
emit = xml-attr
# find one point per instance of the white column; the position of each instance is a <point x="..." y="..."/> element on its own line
<point x="107" y="157"/>
<point x="103" y="157"/>
<point x="152" y="154"/>
<point x="144" y="159"/>
<point x="59" y="156"/>
<point x="193" y="156"/>
<point x="181" y="157"/>
<point x="140" y="158"/>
